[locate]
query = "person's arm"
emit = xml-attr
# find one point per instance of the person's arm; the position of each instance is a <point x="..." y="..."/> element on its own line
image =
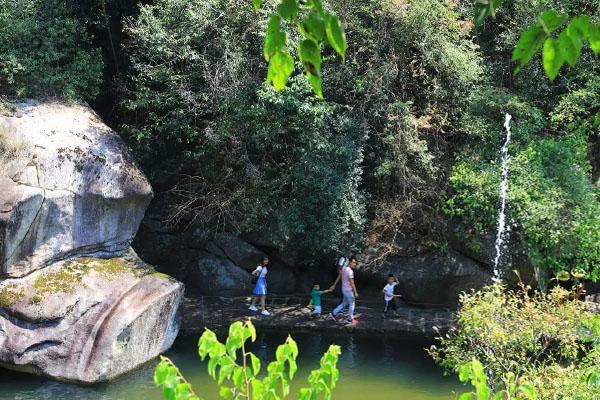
<point x="332" y="287"/>
<point x="385" y="292"/>
<point x="353" y="287"/>
<point x="257" y="270"/>
<point x="327" y="291"/>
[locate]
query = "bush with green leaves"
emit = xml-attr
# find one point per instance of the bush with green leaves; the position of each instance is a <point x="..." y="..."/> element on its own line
<point x="293" y="165"/>
<point x="238" y="371"/>
<point x="45" y="51"/>
<point x="552" y="200"/>
<point x="529" y="342"/>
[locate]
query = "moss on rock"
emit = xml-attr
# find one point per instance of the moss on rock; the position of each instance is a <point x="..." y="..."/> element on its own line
<point x="10" y="295"/>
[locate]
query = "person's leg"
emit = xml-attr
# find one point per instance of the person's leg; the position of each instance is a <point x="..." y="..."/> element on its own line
<point x="263" y="300"/>
<point x="351" y="305"/>
<point x="338" y="309"/>
<point x="254" y="298"/>
<point x="342" y="306"/>
<point x="386" y="306"/>
<point x="394" y="306"/>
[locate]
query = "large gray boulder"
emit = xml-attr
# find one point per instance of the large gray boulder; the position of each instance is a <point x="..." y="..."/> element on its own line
<point x="72" y="188"/>
<point x="87" y="320"/>
<point x="436" y="279"/>
<point x="69" y="188"/>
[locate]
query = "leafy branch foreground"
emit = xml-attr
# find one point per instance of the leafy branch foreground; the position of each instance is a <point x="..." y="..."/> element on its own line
<point x="239" y="378"/>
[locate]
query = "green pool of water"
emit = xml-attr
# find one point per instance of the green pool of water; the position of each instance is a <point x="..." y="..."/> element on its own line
<point x="371" y="368"/>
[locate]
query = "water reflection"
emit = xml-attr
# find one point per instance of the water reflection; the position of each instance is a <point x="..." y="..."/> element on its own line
<point x="371" y="367"/>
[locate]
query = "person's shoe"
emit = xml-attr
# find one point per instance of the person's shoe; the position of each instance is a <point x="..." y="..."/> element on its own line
<point x="252" y="308"/>
<point x="349" y="322"/>
<point x="265" y="312"/>
<point x="332" y="317"/>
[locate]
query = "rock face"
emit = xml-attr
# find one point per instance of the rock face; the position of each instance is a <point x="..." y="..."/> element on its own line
<point x="436" y="280"/>
<point x="76" y="303"/>
<point x="70" y="168"/>
<point x="209" y="265"/>
<point x="87" y="320"/>
<point x="481" y="248"/>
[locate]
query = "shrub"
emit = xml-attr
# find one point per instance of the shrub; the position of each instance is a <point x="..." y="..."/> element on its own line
<point x="10" y="147"/>
<point x="547" y="341"/>
<point x="289" y="163"/>
<point x="239" y="378"/>
<point x="45" y="51"/>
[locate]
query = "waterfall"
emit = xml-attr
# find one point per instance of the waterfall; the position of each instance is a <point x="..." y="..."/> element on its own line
<point x="500" y="235"/>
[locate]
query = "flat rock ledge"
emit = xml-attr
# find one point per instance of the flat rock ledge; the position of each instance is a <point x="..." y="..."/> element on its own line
<point x="289" y="314"/>
<point x="87" y="320"/>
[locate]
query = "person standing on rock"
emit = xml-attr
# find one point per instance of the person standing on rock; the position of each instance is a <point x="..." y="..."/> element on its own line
<point x="260" y="289"/>
<point x="349" y="291"/>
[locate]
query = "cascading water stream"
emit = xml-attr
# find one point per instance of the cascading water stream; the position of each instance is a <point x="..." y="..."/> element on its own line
<point x="501" y="233"/>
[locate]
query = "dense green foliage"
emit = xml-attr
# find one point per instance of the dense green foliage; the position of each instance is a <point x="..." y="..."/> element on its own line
<point x="238" y="378"/>
<point x="45" y="50"/>
<point x="547" y="343"/>
<point x="197" y="101"/>
<point x="405" y="142"/>
<point x="553" y="203"/>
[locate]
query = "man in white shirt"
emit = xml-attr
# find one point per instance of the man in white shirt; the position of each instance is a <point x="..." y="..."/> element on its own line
<point x="349" y="291"/>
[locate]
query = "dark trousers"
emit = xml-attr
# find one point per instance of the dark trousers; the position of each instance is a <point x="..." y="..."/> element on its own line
<point x="390" y="304"/>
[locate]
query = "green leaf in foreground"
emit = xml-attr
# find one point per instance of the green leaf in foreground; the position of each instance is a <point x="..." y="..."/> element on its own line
<point x="550" y="20"/>
<point x="275" y="40"/>
<point x="569" y="50"/>
<point x="485" y="8"/>
<point x="310" y="57"/>
<point x="313" y="26"/>
<point x="288" y="9"/>
<point x="336" y="35"/>
<point x="529" y="43"/>
<point x="257" y="4"/>
<point x="281" y="66"/>
<point x="595" y="38"/>
<point x="552" y="58"/>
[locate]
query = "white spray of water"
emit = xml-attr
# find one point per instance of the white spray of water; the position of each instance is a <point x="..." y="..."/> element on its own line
<point x="500" y="235"/>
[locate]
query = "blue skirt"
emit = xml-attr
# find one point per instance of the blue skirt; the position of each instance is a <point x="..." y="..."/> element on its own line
<point x="261" y="287"/>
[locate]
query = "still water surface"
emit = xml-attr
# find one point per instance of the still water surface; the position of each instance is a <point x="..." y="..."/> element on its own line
<point x="371" y="368"/>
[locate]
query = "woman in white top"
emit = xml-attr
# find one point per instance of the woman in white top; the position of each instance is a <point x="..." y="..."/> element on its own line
<point x="260" y="290"/>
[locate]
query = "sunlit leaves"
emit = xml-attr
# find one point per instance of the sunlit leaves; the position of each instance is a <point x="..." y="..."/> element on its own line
<point x="336" y="35"/>
<point x="316" y="27"/>
<point x="557" y="47"/>
<point x="310" y="57"/>
<point x="550" y="21"/>
<point x="594" y="37"/>
<point x="174" y="385"/>
<point x="530" y="42"/>
<point x="275" y="40"/>
<point x="552" y="57"/>
<point x="239" y="379"/>
<point x="288" y="9"/>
